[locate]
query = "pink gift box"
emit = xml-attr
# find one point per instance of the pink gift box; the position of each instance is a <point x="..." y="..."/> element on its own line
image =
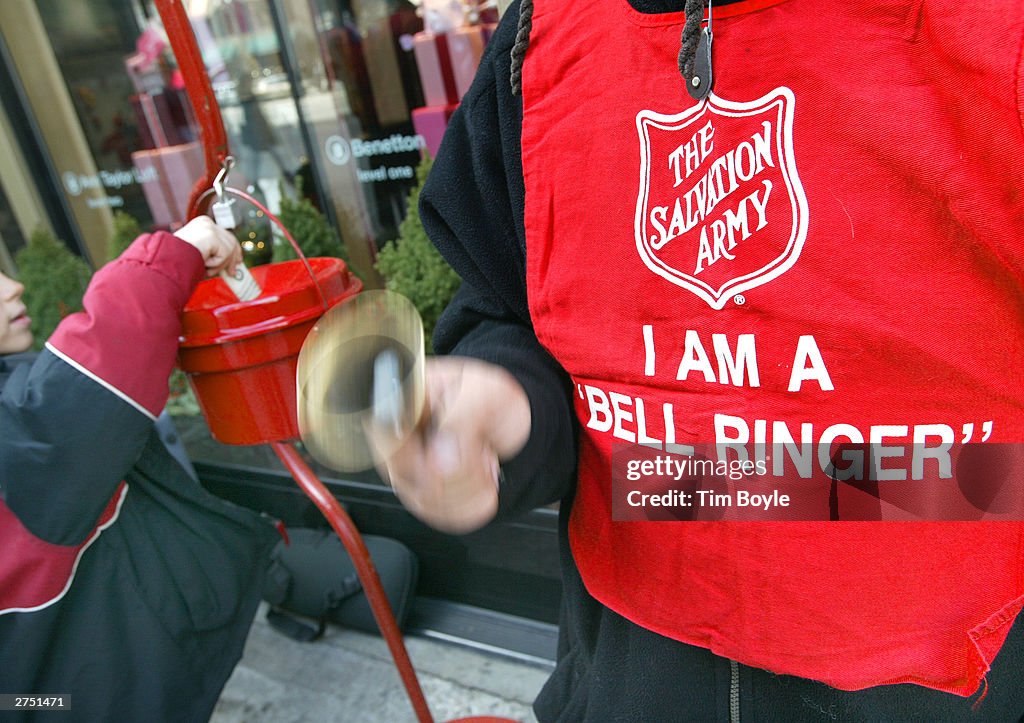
<point x="145" y="73"/>
<point x="168" y="175"/>
<point x="431" y="122"/>
<point x="150" y="180"/>
<point x="163" y="119"/>
<point x="174" y="115"/>
<point x="151" y="127"/>
<point x="465" y="46"/>
<point x="435" y="68"/>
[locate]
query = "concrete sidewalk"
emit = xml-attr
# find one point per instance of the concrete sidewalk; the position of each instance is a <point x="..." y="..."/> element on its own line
<point x="349" y="677"/>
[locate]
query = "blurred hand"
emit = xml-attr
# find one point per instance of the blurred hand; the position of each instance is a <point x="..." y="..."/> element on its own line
<point x="446" y="471"/>
<point x="218" y="246"/>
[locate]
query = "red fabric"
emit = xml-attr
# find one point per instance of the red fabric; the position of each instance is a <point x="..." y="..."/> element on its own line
<point x="157" y="270"/>
<point x="890" y="235"/>
<point x="35" y="573"/>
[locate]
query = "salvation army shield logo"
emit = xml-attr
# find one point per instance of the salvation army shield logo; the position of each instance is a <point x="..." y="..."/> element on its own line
<point x="720" y="208"/>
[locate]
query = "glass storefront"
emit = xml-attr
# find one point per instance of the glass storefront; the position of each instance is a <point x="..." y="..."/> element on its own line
<point x="360" y="84"/>
<point x="330" y="99"/>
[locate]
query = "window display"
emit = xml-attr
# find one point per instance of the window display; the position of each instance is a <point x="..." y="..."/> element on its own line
<point x="332" y="100"/>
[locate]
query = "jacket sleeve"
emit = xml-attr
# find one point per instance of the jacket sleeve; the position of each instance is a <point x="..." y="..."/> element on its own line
<point x="472" y="209"/>
<point x="77" y="419"/>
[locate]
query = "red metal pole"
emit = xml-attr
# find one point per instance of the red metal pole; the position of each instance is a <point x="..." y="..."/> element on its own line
<point x="215" y="150"/>
<point x="200" y="91"/>
<point x="353" y="542"/>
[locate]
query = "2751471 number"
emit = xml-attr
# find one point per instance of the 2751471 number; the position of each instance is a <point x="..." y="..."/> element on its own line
<point x="35" y="702"/>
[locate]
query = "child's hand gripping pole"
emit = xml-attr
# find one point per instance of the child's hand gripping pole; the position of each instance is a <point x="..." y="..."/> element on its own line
<point x="227" y="215"/>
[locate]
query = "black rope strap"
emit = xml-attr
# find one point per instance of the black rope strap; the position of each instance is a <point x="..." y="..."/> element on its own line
<point x="691" y="36"/>
<point x="521" y="44"/>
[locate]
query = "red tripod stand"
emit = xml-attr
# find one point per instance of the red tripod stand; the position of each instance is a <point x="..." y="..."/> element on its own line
<point x="215" y="147"/>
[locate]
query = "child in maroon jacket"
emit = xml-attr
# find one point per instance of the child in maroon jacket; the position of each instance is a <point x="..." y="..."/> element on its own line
<point x="123" y="583"/>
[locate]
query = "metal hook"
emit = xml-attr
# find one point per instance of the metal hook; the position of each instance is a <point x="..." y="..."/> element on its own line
<point x="222" y="176"/>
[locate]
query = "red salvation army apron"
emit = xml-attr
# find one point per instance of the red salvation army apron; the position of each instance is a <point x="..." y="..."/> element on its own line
<point x="827" y="248"/>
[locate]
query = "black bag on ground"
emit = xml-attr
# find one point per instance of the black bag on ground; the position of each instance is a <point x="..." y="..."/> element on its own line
<point x="314" y="577"/>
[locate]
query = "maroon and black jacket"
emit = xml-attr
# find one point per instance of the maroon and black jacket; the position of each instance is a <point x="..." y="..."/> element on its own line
<point x="122" y="581"/>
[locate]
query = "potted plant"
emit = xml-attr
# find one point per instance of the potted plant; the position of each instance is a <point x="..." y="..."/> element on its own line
<point x="310" y="229"/>
<point x="55" y="280"/>
<point x="411" y="266"/>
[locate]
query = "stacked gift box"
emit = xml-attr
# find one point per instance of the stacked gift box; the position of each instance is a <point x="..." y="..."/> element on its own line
<point x="170" y="160"/>
<point x="447" y="61"/>
<point x="162" y="110"/>
<point x="167" y="176"/>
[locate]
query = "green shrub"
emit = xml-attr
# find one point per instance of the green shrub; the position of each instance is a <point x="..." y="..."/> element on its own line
<point x="310" y="229"/>
<point x="55" y="281"/>
<point x="412" y="266"/>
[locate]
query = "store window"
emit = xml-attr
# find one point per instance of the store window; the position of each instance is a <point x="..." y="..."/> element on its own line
<point x="136" y="118"/>
<point x="335" y="100"/>
<point x="89" y="42"/>
<point x="360" y="84"/>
